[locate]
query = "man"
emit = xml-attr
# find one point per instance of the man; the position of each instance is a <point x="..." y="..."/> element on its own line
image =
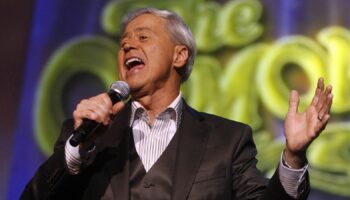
<point x="157" y="147"/>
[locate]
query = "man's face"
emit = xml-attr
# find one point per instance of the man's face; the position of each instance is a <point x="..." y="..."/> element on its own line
<point x="145" y="57"/>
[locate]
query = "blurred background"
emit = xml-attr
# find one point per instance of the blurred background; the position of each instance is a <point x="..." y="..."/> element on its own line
<point x="251" y="53"/>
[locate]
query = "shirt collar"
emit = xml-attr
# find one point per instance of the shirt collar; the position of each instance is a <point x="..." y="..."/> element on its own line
<point x="137" y="110"/>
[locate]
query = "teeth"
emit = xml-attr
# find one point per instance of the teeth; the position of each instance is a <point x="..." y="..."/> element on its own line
<point x="132" y="61"/>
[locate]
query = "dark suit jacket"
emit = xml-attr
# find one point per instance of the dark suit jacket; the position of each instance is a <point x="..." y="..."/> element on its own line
<point x="215" y="160"/>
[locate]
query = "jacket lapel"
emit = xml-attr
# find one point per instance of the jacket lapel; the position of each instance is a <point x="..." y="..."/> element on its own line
<point x="194" y="134"/>
<point x="120" y="181"/>
<point x="118" y="128"/>
<point x="117" y="148"/>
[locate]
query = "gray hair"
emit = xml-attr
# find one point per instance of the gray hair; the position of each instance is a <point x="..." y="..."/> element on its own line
<point x="179" y="32"/>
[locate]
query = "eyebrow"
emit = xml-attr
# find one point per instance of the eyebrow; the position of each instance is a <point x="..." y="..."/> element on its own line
<point x="140" y="29"/>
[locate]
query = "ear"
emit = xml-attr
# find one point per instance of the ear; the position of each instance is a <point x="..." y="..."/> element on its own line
<point x="180" y="56"/>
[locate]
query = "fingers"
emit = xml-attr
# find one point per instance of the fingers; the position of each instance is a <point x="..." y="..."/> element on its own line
<point x="322" y="99"/>
<point x="117" y="107"/>
<point x="293" y="102"/>
<point x="98" y="108"/>
<point x="326" y="106"/>
<point x="318" y="93"/>
<point x="321" y="105"/>
<point x="324" y="120"/>
<point x="320" y="84"/>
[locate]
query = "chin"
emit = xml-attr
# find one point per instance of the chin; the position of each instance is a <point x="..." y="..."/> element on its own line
<point x="134" y="85"/>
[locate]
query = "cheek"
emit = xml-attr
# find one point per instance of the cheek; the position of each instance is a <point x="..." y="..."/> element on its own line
<point x="154" y="49"/>
<point x="120" y="62"/>
<point x="161" y="55"/>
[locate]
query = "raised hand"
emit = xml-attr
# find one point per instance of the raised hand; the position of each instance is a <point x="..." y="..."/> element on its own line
<point x="302" y="128"/>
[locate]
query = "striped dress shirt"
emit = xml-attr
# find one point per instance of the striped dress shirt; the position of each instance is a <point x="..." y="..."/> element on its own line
<point x="152" y="139"/>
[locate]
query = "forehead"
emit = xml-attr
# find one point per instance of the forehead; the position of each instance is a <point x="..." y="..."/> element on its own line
<point x="146" y="21"/>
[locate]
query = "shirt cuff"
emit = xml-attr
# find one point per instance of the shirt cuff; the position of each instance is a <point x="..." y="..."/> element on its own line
<point x="291" y="179"/>
<point x="73" y="158"/>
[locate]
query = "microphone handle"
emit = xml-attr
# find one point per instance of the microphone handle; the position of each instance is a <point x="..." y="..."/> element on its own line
<point x="80" y="134"/>
<point x="88" y="125"/>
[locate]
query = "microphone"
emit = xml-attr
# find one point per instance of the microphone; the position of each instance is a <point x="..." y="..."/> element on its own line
<point x="119" y="91"/>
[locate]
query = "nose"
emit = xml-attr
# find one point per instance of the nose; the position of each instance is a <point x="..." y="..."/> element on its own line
<point x="128" y="45"/>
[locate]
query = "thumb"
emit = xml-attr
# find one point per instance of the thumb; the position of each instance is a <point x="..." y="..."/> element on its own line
<point x="293" y="102"/>
<point x="77" y="123"/>
<point x="117" y="107"/>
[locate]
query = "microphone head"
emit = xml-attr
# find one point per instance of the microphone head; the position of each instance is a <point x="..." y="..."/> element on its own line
<point x="121" y="88"/>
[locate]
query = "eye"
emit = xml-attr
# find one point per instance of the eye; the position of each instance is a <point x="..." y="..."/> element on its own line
<point x="143" y="37"/>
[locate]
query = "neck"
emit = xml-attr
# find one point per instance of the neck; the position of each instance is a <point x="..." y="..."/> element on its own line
<point x="157" y="102"/>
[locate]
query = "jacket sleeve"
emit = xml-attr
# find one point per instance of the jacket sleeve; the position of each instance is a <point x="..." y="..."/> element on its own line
<point x="248" y="181"/>
<point x="275" y="189"/>
<point x="52" y="176"/>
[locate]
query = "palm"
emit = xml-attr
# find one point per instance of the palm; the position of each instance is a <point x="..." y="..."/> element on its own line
<point x="302" y="128"/>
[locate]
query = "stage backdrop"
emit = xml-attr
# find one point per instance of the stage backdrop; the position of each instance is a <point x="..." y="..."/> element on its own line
<point x="251" y="53"/>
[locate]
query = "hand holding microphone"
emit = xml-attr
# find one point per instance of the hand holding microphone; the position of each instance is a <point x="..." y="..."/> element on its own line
<point x="90" y="113"/>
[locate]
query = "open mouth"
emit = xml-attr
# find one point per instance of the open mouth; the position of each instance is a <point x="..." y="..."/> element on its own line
<point x="133" y="62"/>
